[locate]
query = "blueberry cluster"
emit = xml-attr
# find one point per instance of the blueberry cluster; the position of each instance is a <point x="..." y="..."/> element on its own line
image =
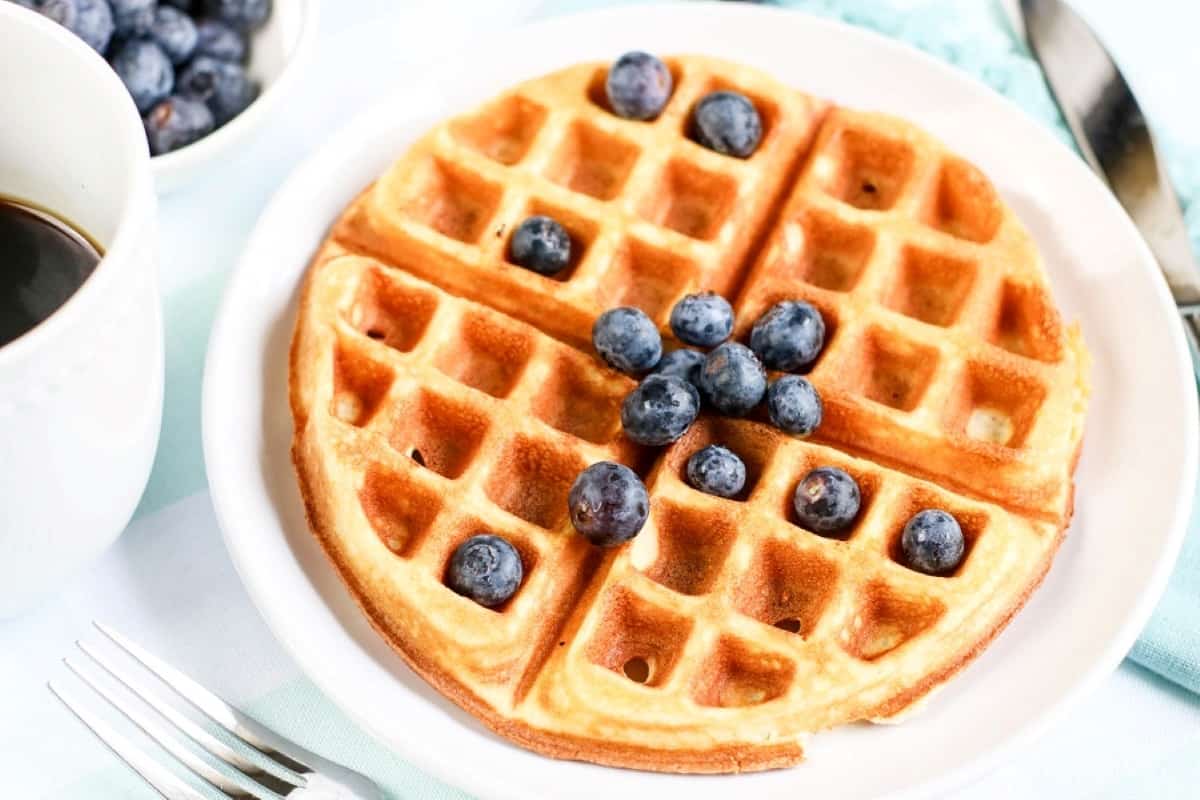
<point x="183" y="61"/>
<point x="731" y="378"/>
<point x="639" y="85"/>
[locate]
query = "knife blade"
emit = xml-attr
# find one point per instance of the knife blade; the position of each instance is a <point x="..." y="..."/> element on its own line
<point x="1116" y="141"/>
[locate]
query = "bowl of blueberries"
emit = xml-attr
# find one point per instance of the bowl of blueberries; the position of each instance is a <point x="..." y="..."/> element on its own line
<point x="202" y="73"/>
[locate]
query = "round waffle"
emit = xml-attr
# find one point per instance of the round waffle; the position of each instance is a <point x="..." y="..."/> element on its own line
<point x="439" y="391"/>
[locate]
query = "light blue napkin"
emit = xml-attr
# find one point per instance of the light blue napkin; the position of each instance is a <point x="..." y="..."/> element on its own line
<point x="1170" y="644"/>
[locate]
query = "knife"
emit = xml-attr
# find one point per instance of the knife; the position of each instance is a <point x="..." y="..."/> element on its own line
<point x="1116" y="141"/>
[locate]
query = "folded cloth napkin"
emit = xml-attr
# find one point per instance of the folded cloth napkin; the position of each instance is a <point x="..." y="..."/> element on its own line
<point x="977" y="38"/>
<point x="1170" y="644"/>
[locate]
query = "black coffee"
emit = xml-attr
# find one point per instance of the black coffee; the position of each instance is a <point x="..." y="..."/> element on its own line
<point x="43" y="261"/>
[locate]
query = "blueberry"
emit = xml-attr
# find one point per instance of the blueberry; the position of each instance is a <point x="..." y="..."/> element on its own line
<point x="608" y="504"/>
<point x="25" y="3"/>
<point x="627" y="340"/>
<point x="90" y="20"/>
<point x="542" y="245"/>
<point x="932" y="542"/>
<point x="659" y="410"/>
<point x="177" y="122"/>
<point x="827" y="500"/>
<point x="186" y="6"/>
<point x="245" y="15"/>
<point x="704" y="319"/>
<point x="216" y="39"/>
<point x="175" y="33"/>
<point x="683" y="363"/>
<point x="146" y="72"/>
<point x="716" y="470"/>
<point x="728" y="123"/>
<point x="223" y="86"/>
<point x="731" y="379"/>
<point x="793" y="405"/>
<point x="133" y="17"/>
<point x="638" y="86"/>
<point x="485" y="568"/>
<point x="789" y="336"/>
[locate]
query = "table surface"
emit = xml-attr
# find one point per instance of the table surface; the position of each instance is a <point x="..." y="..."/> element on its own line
<point x="168" y="580"/>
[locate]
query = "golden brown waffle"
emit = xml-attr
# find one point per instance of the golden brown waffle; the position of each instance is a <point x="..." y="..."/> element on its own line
<point x="725" y="633"/>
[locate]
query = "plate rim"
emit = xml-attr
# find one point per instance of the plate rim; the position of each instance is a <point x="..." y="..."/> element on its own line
<point x="1117" y="647"/>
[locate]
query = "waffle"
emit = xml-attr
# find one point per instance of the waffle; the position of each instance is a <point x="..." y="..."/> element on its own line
<point x="439" y="391"/>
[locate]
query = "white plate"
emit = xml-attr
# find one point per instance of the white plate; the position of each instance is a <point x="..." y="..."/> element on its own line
<point x="1135" y="477"/>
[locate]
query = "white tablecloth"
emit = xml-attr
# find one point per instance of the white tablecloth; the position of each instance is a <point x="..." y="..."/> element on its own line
<point x="169" y="583"/>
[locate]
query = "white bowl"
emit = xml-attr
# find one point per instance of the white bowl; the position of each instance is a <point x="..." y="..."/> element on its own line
<point x="278" y="52"/>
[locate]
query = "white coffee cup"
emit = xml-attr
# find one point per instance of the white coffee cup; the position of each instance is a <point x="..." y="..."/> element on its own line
<point x="81" y="393"/>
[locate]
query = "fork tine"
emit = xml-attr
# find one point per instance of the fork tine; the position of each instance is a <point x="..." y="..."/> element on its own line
<point x="246" y="762"/>
<point x="161" y="779"/>
<point x="232" y="783"/>
<point x="213" y="707"/>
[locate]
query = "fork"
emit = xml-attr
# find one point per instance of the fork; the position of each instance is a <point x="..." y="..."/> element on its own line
<point x="259" y="762"/>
